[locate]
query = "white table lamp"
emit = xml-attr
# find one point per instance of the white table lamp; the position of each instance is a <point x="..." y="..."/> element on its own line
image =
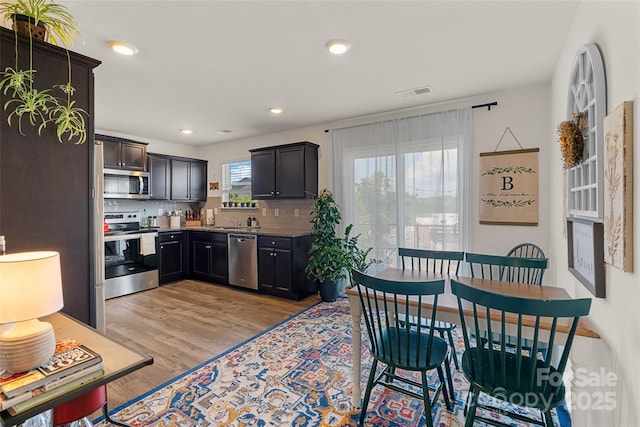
<point x="30" y="287"/>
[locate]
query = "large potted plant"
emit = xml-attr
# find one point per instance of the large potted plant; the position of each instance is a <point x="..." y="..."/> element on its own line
<point x="330" y="256"/>
<point x="326" y="258"/>
<point x="50" y="22"/>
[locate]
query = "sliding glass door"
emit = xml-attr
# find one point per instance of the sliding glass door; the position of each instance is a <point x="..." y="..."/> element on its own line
<point x="403" y="182"/>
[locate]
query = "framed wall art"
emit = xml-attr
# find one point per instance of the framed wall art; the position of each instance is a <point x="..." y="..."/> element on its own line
<point x="618" y="187"/>
<point x="585" y="244"/>
<point x="509" y="187"/>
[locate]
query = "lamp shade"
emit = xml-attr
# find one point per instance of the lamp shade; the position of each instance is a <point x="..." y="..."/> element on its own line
<point x="30" y="285"/>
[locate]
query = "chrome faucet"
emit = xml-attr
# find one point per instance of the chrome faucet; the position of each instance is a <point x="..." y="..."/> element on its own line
<point x="232" y="220"/>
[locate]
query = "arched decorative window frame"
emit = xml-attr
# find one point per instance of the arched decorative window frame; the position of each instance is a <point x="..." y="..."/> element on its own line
<point x="587" y="94"/>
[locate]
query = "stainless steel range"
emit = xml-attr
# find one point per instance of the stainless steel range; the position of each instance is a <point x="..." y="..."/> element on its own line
<point x="130" y="258"/>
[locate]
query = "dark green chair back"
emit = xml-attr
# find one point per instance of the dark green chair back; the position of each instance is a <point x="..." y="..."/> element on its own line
<point x="443" y="262"/>
<point x="526" y="250"/>
<point x="434" y="261"/>
<point x="400" y="344"/>
<point x="508" y="372"/>
<point x="507" y="268"/>
<point x="393" y="341"/>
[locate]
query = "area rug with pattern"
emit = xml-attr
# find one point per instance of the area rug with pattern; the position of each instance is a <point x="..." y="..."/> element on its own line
<point x="297" y="373"/>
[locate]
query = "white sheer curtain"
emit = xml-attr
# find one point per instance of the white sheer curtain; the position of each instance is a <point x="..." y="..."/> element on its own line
<point x="405" y="182"/>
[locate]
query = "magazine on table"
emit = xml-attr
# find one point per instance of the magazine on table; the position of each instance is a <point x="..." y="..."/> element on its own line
<point x="41" y="396"/>
<point x="7" y="402"/>
<point x="70" y="357"/>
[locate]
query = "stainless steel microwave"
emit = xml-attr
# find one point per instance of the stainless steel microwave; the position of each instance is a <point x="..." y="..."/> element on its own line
<point x="123" y="184"/>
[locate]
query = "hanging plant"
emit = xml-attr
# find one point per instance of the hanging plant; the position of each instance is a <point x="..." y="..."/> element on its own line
<point x="42" y="107"/>
<point x="571" y="140"/>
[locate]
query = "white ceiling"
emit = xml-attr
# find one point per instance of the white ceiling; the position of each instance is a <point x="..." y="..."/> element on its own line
<point x="211" y="65"/>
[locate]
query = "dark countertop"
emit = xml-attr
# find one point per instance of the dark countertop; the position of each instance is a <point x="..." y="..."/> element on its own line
<point x="257" y="231"/>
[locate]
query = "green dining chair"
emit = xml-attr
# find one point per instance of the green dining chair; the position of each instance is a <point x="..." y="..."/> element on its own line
<point x="511" y="269"/>
<point x="513" y="375"/>
<point x="400" y="345"/>
<point x="526" y="250"/>
<point x="507" y="268"/>
<point x="434" y="261"/>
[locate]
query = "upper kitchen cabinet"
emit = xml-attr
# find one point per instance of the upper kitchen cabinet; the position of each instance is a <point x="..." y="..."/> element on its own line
<point x="159" y="167"/>
<point x="38" y="174"/>
<point x="285" y="171"/>
<point x="123" y="154"/>
<point x="188" y="179"/>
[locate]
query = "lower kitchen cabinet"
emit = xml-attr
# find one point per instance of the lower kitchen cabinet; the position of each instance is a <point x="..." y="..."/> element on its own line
<point x="172" y="258"/>
<point x="209" y="256"/>
<point x="281" y="264"/>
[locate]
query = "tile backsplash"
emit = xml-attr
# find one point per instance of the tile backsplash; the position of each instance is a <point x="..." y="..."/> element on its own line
<point x="285" y="219"/>
<point x="148" y="207"/>
<point x="279" y="214"/>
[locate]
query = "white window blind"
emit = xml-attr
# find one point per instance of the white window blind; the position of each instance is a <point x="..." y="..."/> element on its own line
<point x="236" y="180"/>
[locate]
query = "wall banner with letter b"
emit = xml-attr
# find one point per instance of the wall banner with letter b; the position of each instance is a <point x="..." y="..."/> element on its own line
<point x="509" y="187"/>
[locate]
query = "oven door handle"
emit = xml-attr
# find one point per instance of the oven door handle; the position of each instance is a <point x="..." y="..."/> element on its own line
<point x="133" y="236"/>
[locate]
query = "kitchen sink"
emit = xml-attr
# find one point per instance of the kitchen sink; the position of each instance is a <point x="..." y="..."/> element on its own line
<point x="230" y="228"/>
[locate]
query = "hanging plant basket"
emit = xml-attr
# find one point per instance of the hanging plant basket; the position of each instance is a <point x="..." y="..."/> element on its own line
<point x="571" y="140"/>
<point x="28" y="26"/>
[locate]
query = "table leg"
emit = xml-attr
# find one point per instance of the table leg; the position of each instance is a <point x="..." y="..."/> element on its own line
<point x="107" y="417"/>
<point x="356" y="348"/>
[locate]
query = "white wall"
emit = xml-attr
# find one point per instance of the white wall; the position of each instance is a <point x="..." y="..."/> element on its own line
<point x="524" y="110"/>
<point x="614" y="27"/>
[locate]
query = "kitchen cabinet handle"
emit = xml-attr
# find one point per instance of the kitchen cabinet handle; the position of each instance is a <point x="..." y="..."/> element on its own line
<point x="161" y="247"/>
<point x="277" y="192"/>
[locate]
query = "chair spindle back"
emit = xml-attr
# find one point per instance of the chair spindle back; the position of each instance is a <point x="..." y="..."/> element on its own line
<point x="393" y="341"/>
<point x="510" y="370"/>
<point x="507" y="268"/>
<point x="432" y="261"/>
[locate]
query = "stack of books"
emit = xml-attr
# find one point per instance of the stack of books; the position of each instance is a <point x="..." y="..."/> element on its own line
<point x="71" y="366"/>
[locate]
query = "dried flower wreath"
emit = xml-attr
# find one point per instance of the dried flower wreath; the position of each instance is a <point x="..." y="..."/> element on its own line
<point x="571" y="140"/>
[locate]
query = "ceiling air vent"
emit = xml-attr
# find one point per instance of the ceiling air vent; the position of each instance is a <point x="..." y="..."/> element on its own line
<point x="414" y="91"/>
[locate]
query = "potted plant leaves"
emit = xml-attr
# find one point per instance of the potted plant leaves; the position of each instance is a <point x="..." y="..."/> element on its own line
<point x="330" y="256"/>
<point x="50" y="22"/>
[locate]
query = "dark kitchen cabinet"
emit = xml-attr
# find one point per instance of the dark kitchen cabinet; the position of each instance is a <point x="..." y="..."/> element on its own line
<point x="286" y="171"/>
<point x="188" y="179"/>
<point x="173" y="256"/>
<point x="123" y="154"/>
<point x="209" y="256"/>
<point x="39" y="173"/>
<point x="160" y="176"/>
<point x="281" y="264"/>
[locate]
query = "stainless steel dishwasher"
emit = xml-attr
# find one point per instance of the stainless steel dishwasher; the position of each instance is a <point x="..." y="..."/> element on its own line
<point x="243" y="260"/>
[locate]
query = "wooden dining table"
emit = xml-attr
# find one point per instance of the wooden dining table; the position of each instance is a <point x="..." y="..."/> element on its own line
<point x="447" y="310"/>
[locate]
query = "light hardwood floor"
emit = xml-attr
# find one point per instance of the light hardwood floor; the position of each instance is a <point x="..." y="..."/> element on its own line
<point x="184" y="324"/>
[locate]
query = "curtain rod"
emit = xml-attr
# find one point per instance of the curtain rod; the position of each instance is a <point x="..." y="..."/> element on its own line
<point x="488" y="105"/>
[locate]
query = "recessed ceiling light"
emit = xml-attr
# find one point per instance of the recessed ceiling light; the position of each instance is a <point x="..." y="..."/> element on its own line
<point x="186" y="131"/>
<point x="338" y="47"/>
<point x="276" y="110"/>
<point x="122" y="48"/>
